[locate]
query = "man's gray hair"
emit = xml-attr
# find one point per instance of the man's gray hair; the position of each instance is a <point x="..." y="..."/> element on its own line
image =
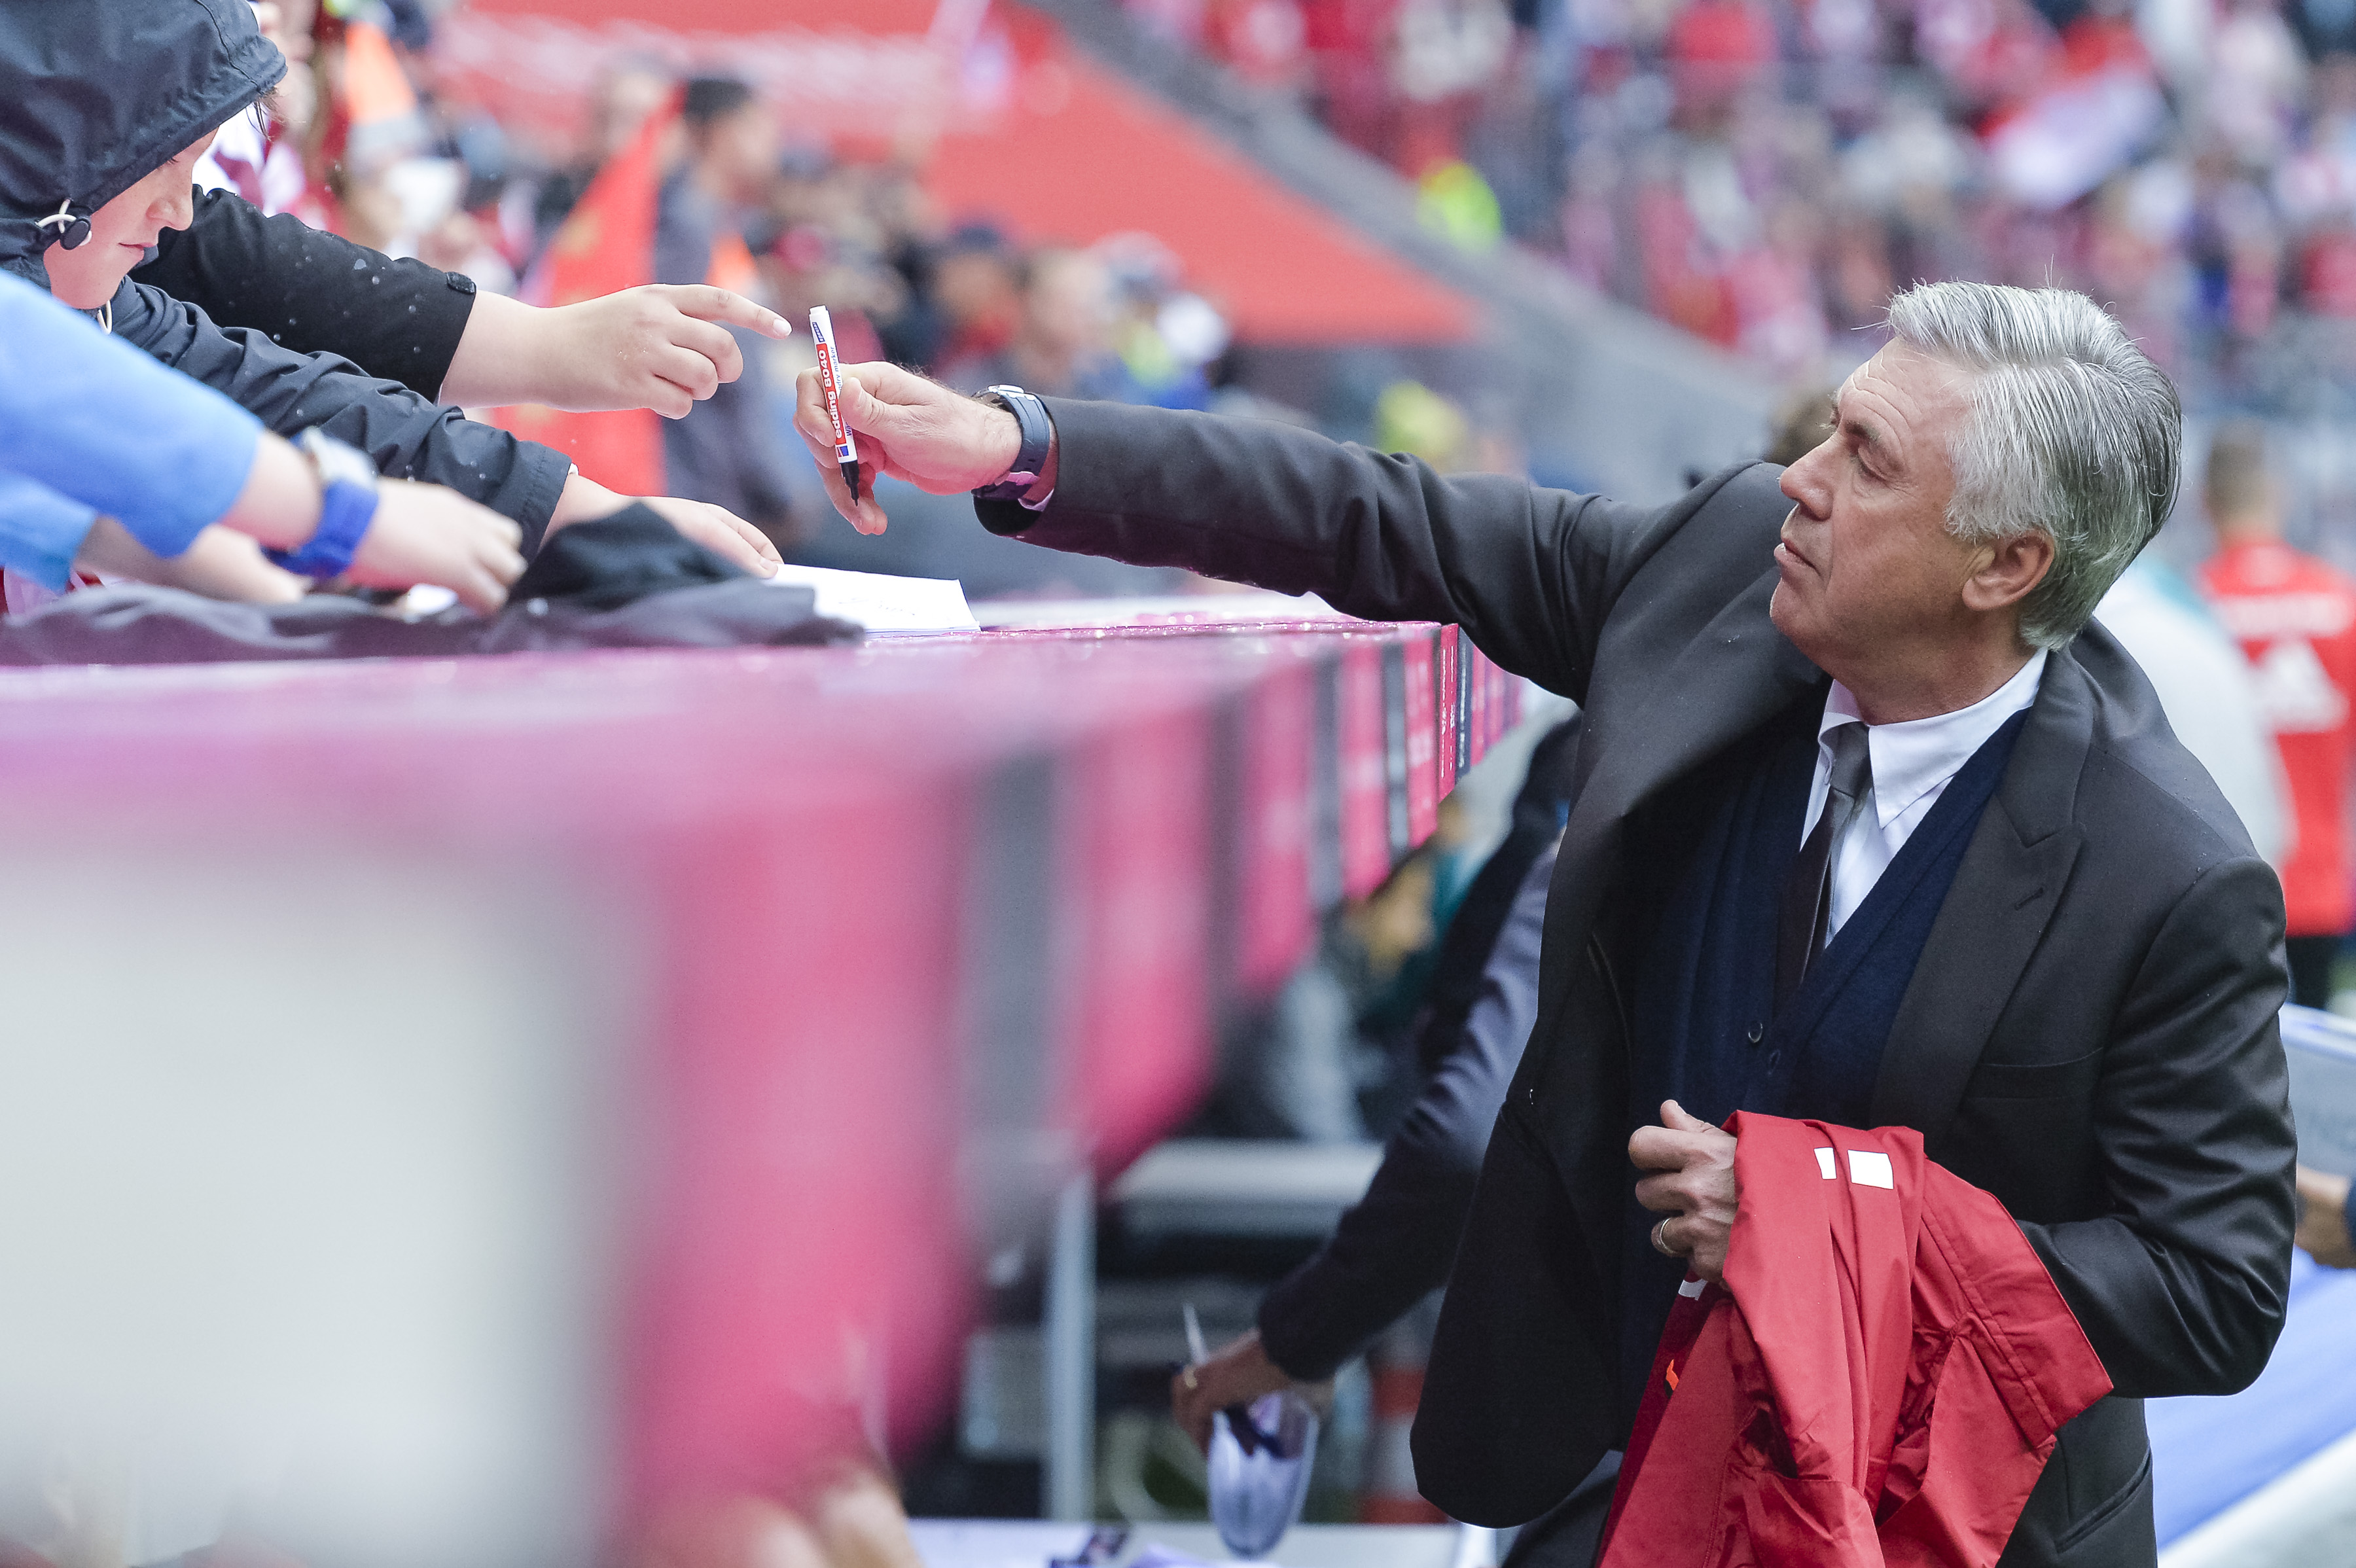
<point x="2073" y="434"/>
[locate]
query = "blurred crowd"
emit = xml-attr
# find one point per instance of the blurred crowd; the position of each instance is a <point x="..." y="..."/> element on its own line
<point x="1765" y="172"/>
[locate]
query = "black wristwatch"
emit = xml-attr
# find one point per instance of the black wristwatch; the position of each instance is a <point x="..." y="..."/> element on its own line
<point x="1038" y="435"/>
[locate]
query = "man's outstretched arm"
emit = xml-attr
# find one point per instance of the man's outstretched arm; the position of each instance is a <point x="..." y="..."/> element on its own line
<point x="1529" y="573"/>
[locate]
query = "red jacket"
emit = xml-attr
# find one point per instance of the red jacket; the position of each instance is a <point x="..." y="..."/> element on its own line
<point x="1878" y="1381"/>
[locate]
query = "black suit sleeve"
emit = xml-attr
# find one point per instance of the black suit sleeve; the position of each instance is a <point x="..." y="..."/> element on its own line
<point x="1397" y="1245"/>
<point x="1530" y="574"/>
<point x="314" y="293"/>
<point x="2181" y="1289"/>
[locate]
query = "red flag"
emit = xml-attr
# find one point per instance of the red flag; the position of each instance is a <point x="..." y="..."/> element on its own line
<point x="607" y="243"/>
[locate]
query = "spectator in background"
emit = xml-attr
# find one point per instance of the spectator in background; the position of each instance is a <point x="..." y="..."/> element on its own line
<point x="626" y="94"/>
<point x="1062" y="346"/>
<point x="1167" y="337"/>
<point x="2296" y="620"/>
<point x="1766" y="175"/>
<point x="730" y="450"/>
<point x="2206" y="689"/>
<point x="259" y="155"/>
<point x="974" y="293"/>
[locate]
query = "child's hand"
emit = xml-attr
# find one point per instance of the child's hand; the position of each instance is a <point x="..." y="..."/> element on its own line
<point x="661" y="346"/>
<point x="720" y="530"/>
<point x="424" y="533"/>
<point x="716" y="528"/>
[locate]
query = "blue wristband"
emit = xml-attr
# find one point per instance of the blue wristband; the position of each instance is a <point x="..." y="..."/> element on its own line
<point x="346" y="506"/>
<point x="346" y="509"/>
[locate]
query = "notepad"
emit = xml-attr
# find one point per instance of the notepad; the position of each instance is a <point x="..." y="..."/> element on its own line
<point x="884" y="604"/>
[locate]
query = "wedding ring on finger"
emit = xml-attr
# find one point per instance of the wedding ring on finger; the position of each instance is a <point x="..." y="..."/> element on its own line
<point x="1660" y="1243"/>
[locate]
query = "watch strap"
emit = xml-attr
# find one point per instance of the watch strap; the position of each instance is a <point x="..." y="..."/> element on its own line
<point x="1038" y="436"/>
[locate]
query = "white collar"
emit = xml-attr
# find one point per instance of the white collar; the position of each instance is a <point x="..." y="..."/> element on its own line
<point x="1916" y="755"/>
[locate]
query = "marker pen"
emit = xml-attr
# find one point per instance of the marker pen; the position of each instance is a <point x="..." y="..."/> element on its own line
<point x="846" y="451"/>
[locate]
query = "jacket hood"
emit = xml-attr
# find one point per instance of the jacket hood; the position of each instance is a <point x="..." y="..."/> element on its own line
<point x="95" y="95"/>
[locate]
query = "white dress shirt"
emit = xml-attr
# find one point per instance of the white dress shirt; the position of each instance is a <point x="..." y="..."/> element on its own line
<point x="1912" y="764"/>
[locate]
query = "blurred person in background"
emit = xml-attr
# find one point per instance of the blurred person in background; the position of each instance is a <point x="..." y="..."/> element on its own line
<point x="2295" y="619"/>
<point x="261" y="154"/>
<point x="1167" y="336"/>
<point x="851" y="237"/>
<point x="1305" y="1073"/>
<point x="730" y="451"/>
<point x="2207" y="691"/>
<point x="626" y="93"/>
<point x="1063" y="339"/>
<point x="973" y="289"/>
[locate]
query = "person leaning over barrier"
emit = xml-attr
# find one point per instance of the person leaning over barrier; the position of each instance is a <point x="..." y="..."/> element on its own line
<point x="89" y="425"/>
<point x="103" y="112"/>
<point x="656" y="347"/>
<point x="2067" y="978"/>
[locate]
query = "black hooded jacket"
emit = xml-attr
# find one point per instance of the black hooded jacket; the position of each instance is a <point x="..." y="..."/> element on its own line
<point x="93" y="98"/>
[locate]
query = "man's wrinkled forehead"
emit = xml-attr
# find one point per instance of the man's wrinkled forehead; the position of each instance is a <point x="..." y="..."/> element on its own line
<point x="1919" y="387"/>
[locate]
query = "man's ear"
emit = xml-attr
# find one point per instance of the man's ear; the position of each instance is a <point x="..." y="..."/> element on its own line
<point x="2011" y="570"/>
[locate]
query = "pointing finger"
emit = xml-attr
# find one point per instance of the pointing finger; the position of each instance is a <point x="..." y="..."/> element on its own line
<point x="709" y="304"/>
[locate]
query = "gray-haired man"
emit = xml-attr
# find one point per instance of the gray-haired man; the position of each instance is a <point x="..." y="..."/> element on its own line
<point x="1854" y="708"/>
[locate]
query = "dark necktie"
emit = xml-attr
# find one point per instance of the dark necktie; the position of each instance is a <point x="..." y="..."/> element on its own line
<point x="1808" y="896"/>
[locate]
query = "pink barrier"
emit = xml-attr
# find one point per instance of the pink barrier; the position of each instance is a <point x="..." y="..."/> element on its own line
<point x="865" y="904"/>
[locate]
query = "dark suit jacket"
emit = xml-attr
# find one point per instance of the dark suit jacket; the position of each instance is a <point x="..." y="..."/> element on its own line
<point x="2089" y="1035"/>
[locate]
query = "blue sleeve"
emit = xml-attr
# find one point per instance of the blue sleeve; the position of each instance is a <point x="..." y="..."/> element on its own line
<point x="99" y="421"/>
<point x="40" y="530"/>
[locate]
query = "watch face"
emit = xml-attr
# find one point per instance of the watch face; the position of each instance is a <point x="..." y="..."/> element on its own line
<point x="339" y="463"/>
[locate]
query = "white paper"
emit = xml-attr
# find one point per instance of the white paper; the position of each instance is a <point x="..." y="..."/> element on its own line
<point x="884" y="604"/>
